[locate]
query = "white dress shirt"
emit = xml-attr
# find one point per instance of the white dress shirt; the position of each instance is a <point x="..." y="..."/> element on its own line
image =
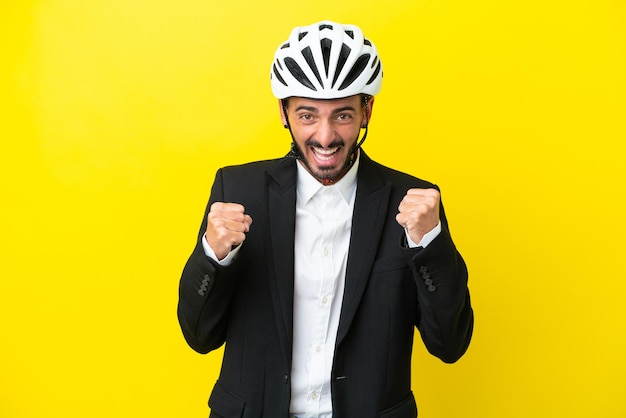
<point x="322" y="239"/>
<point x="323" y="226"/>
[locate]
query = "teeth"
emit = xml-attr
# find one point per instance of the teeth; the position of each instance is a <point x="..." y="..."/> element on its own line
<point x="325" y="153"/>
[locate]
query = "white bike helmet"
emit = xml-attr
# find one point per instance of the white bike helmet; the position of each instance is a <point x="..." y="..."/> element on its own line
<point x="326" y="60"/>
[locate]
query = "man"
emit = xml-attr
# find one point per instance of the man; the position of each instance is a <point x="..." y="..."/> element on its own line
<point x="316" y="268"/>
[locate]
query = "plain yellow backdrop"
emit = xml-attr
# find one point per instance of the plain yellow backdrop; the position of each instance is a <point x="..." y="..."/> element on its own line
<point x="115" y="116"/>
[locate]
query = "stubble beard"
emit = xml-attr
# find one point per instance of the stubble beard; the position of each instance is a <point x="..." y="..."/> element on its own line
<point x="323" y="174"/>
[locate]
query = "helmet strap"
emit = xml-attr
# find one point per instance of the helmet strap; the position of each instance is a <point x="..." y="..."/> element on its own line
<point x="294" y="152"/>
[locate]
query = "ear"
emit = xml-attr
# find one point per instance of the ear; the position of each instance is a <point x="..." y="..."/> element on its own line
<point x="283" y="117"/>
<point x="367" y="112"/>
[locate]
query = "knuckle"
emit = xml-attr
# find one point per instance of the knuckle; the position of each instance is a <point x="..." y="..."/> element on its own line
<point x="221" y="233"/>
<point x="236" y="207"/>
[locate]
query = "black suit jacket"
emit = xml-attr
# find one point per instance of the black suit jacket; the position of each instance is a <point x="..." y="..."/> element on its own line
<point x="389" y="290"/>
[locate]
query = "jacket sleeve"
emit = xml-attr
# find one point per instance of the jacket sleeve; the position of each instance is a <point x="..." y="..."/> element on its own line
<point x="445" y="317"/>
<point x="205" y="291"/>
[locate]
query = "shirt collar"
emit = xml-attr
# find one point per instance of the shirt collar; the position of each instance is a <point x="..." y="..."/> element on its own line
<point x="308" y="186"/>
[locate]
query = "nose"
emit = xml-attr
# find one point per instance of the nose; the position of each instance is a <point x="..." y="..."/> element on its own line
<point x="325" y="134"/>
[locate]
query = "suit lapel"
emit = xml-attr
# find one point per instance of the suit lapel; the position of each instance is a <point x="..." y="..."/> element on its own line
<point x="370" y="209"/>
<point x="282" y="221"/>
<point x="369" y="215"/>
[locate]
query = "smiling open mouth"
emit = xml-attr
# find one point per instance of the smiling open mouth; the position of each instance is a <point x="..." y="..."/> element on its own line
<point x="325" y="154"/>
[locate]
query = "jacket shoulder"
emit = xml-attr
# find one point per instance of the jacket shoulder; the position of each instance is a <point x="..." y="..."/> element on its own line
<point x="254" y="171"/>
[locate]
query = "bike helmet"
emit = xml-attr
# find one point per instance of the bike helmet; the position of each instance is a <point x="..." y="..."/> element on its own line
<point x="326" y="60"/>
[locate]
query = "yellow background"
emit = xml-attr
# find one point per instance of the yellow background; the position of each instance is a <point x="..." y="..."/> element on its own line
<point x="116" y="114"/>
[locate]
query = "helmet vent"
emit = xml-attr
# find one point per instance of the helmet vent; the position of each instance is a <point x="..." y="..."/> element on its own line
<point x="326" y="45"/>
<point x="325" y="26"/>
<point x="343" y="57"/>
<point x="302" y="35"/>
<point x="277" y="74"/>
<point x="308" y="56"/>
<point x="298" y="74"/>
<point x="350" y="33"/>
<point x="356" y="71"/>
<point x="374" y="75"/>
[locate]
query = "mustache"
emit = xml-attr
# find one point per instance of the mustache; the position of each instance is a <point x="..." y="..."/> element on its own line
<point x="315" y="144"/>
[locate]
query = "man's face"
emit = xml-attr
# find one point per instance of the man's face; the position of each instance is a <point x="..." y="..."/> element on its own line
<point x="326" y="131"/>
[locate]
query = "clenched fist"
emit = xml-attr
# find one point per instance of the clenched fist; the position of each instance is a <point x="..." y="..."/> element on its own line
<point x="419" y="212"/>
<point x="227" y="225"/>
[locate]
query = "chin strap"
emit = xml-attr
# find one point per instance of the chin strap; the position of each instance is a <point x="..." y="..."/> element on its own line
<point x="293" y="151"/>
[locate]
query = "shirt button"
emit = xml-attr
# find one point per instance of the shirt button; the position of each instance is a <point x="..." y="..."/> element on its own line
<point x="318" y="348"/>
<point x="324" y="300"/>
<point x="313" y="395"/>
<point x="325" y="252"/>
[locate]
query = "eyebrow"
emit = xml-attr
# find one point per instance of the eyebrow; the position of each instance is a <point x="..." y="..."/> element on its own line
<point x="315" y="110"/>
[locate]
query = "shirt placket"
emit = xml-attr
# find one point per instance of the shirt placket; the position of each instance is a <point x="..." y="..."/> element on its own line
<point x="318" y="347"/>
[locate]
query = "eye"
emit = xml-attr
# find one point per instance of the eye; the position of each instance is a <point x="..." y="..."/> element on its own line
<point x="305" y="117"/>
<point x="344" y="117"/>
